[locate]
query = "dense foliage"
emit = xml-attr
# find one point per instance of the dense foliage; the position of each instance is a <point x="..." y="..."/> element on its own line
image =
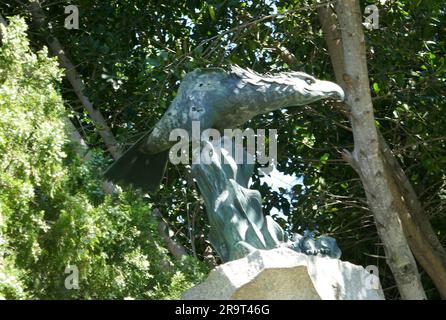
<point x="53" y="213"/>
<point x="131" y="55"/>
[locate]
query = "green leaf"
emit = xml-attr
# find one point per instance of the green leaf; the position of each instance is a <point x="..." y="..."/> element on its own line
<point x="211" y="12"/>
<point x="376" y="87"/>
<point x="324" y="158"/>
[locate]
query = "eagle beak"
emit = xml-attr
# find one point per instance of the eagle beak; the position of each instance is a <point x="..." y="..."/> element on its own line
<point x="328" y="89"/>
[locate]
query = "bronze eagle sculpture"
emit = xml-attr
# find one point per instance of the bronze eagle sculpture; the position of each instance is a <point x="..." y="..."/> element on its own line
<point x="220" y="100"/>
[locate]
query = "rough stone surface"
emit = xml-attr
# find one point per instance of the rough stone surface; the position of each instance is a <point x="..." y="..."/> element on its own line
<point x="283" y="274"/>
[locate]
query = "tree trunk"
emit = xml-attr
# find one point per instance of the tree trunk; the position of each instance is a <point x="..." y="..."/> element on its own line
<point x="420" y="235"/>
<point x="422" y="239"/>
<point x="367" y="158"/>
<point x="77" y="84"/>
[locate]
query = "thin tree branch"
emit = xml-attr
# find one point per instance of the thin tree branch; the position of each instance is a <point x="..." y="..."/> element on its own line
<point x="77" y="83"/>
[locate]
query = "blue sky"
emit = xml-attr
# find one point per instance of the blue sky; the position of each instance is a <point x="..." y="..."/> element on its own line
<point x="277" y="179"/>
